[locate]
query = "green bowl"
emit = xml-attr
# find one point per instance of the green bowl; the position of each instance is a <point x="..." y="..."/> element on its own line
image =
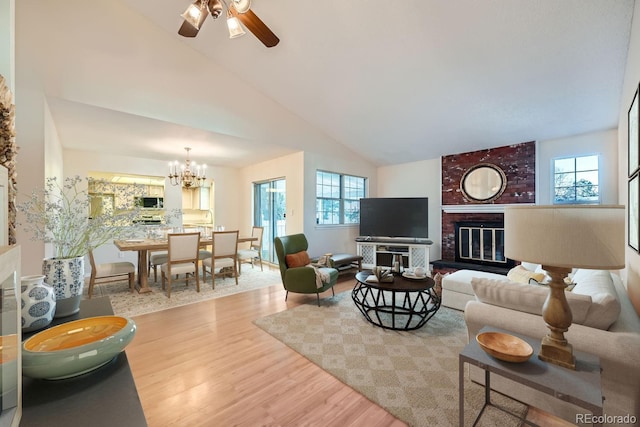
<point x="76" y="347"/>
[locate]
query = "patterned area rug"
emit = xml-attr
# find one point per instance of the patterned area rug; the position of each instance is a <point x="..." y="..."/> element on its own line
<point x="413" y="375"/>
<point x="130" y="304"/>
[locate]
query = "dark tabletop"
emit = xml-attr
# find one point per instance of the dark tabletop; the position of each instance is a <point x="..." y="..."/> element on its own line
<point x="104" y="397"/>
<point x="399" y="284"/>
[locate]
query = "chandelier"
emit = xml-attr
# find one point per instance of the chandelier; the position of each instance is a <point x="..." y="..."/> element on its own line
<point x="190" y="174"/>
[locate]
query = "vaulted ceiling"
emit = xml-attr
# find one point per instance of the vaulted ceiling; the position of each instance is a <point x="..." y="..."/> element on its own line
<point x="392" y="81"/>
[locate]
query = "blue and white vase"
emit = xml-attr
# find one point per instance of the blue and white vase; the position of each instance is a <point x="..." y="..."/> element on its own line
<point x="66" y="275"/>
<point x="38" y="302"/>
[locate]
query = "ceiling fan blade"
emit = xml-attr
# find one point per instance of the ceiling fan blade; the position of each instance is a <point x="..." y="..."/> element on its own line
<point x="257" y="27"/>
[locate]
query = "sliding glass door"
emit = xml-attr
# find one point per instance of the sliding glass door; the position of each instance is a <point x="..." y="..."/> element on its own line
<point x="270" y="212"/>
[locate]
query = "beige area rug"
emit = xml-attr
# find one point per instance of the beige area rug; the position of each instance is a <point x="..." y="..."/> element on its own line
<point x="129" y="304"/>
<point x="413" y="375"/>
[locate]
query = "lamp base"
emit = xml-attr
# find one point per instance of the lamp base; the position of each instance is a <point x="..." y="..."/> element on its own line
<point x="557" y="353"/>
<point x="557" y="315"/>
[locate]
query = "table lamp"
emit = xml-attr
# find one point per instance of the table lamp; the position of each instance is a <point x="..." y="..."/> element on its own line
<point x="560" y="238"/>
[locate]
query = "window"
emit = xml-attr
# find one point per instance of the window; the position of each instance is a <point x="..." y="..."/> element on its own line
<point x="338" y="198"/>
<point x="576" y="180"/>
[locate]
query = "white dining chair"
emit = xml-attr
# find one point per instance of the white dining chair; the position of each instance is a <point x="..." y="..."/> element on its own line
<point x="254" y="251"/>
<point x="182" y="259"/>
<point x="156" y="259"/>
<point x="224" y="256"/>
<point x="112" y="270"/>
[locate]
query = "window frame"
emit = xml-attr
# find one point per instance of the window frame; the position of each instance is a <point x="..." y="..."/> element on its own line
<point x="575" y="172"/>
<point x="341" y="199"/>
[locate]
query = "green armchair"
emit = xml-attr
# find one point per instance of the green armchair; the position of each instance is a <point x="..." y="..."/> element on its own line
<point x="300" y="279"/>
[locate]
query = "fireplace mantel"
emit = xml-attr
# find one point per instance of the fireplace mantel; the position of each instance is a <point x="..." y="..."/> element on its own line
<point x="478" y="208"/>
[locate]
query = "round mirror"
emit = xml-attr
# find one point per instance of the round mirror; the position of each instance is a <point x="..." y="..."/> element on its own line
<point x="483" y="183"/>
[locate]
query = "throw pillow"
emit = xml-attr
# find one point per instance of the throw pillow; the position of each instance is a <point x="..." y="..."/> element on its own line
<point x="520" y="274"/>
<point x="299" y="259"/>
<point x="598" y="284"/>
<point x="526" y="298"/>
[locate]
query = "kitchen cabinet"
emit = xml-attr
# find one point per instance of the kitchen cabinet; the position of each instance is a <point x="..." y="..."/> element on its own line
<point x="155" y="191"/>
<point x="197" y="198"/>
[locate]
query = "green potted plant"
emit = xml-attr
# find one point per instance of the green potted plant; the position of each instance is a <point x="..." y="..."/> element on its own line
<point x="74" y="217"/>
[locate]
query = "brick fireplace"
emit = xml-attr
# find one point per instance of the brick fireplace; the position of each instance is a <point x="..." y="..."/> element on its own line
<point x="518" y="163"/>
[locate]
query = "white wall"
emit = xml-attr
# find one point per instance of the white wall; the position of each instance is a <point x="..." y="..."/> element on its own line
<point x="417" y="179"/>
<point x="604" y="143"/>
<point x="30" y="165"/>
<point x="338" y="238"/>
<point x="631" y="79"/>
<point x="290" y="168"/>
<point x="7" y="42"/>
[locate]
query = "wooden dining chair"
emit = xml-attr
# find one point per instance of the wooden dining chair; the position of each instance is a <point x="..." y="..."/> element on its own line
<point x="112" y="270"/>
<point x="254" y="251"/>
<point x="224" y="256"/>
<point x="182" y="259"/>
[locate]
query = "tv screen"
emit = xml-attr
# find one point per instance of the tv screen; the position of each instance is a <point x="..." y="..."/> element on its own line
<point x="394" y="217"/>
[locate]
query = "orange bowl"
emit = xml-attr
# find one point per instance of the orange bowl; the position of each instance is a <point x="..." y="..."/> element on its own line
<point x="505" y="347"/>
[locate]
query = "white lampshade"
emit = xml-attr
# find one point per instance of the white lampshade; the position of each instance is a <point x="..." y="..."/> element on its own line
<point x="242" y="6"/>
<point x="571" y="236"/>
<point x="235" y="29"/>
<point x="193" y="14"/>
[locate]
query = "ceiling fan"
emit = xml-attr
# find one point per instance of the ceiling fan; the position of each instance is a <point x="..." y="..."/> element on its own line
<point x="238" y="11"/>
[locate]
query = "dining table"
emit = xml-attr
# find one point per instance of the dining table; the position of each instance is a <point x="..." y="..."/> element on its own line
<point x="146" y="245"/>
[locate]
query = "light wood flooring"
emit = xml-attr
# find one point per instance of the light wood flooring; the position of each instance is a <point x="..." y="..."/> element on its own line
<point x="207" y="364"/>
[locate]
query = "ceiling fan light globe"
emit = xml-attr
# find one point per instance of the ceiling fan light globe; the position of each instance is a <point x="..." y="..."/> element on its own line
<point x="235" y="29"/>
<point x="241" y="6"/>
<point x="192" y="15"/>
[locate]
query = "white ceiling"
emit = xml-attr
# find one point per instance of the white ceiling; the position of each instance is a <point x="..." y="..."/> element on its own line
<point x="393" y="81"/>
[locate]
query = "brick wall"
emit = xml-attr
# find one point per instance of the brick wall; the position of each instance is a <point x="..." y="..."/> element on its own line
<point x="518" y="163"/>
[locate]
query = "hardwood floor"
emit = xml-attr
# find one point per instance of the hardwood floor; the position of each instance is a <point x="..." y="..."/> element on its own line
<point x="207" y="364"/>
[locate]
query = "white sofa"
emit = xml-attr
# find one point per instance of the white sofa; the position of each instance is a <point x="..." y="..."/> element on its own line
<point x="604" y="323"/>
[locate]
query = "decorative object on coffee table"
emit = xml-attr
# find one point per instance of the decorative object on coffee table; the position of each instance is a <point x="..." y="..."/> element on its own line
<point x="38" y="303"/>
<point x="382" y="274"/>
<point x="562" y="237"/>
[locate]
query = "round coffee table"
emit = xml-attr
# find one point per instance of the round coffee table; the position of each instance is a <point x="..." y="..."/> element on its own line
<point x="404" y="304"/>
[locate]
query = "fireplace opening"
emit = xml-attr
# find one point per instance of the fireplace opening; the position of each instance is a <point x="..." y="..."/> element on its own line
<point x="481" y="243"/>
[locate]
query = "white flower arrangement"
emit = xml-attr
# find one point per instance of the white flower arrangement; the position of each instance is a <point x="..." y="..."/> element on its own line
<point x="61" y="215"/>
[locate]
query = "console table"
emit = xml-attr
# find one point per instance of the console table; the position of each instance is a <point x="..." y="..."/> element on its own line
<point x="374" y="252"/>
<point x="104" y="397"/>
<point x="581" y="386"/>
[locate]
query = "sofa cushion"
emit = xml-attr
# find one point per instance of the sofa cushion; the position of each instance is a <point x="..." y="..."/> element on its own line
<point x="299" y="259"/>
<point x="460" y="281"/>
<point x="526" y="298"/>
<point x="521" y="275"/>
<point x="598" y="284"/>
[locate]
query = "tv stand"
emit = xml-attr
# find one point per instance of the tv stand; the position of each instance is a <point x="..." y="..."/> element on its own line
<point x="379" y="251"/>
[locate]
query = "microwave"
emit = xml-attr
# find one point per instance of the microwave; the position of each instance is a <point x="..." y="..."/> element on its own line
<point x="148" y="202"/>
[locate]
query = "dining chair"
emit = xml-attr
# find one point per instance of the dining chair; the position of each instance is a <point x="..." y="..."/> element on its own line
<point x="254" y="251"/>
<point x="156" y="258"/>
<point x="112" y="270"/>
<point x="224" y="256"/>
<point x="182" y="259"/>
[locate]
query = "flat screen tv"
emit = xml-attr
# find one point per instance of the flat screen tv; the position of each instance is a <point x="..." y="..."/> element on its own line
<point x="394" y="217"/>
